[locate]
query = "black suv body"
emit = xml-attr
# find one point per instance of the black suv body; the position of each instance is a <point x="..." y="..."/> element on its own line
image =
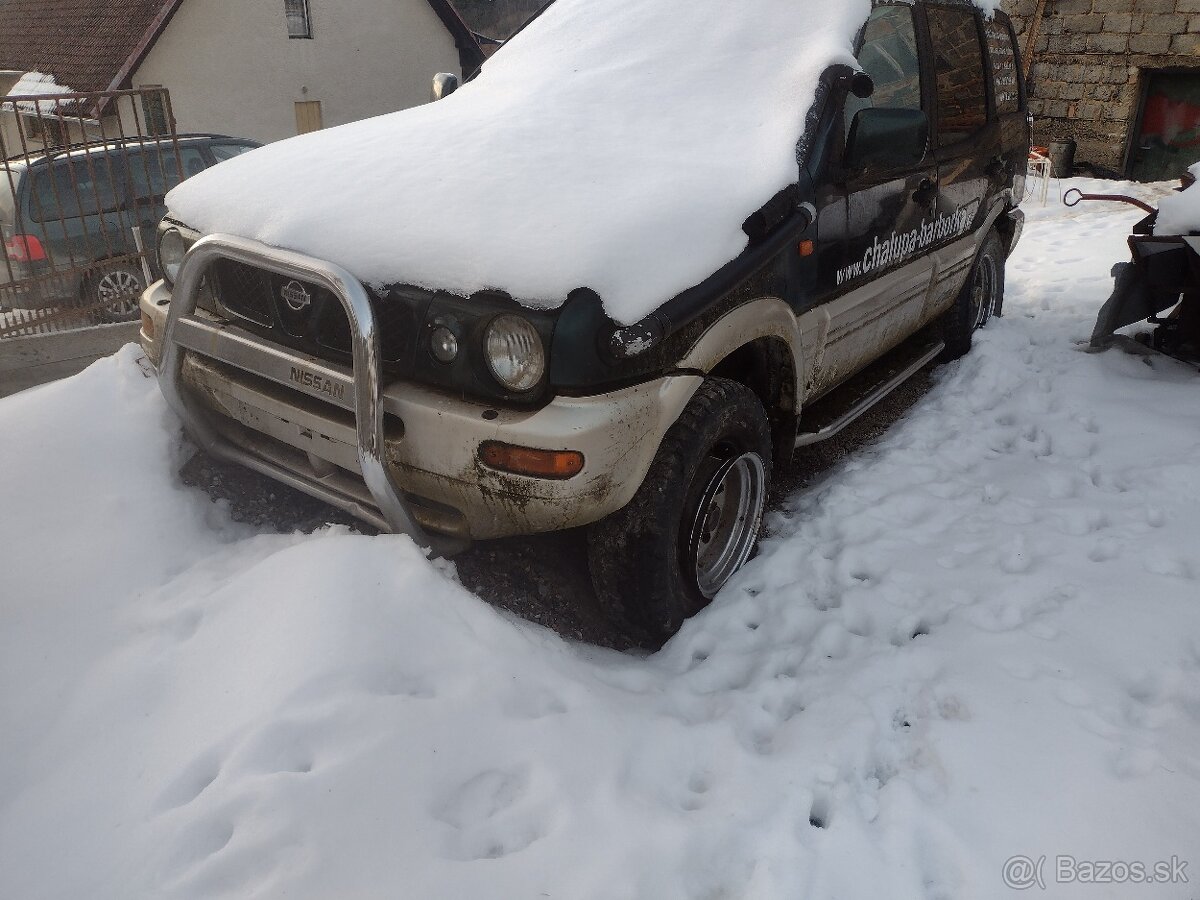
<point x="411" y="406"/>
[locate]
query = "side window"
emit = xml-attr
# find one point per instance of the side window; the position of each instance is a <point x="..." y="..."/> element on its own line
<point x="889" y="55"/>
<point x="222" y="152"/>
<point x="152" y="174"/>
<point x="83" y="186"/>
<point x="1002" y="53"/>
<point x="958" y="56"/>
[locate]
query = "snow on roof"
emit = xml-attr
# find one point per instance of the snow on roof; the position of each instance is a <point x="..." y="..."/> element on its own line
<point x="617" y="146"/>
<point x="1180" y="213"/>
<point x="36" y="84"/>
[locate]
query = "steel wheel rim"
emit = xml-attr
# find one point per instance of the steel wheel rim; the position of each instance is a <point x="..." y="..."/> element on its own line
<point x="984" y="290"/>
<point x="118" y="291"/>
<point x="727" y="521"/>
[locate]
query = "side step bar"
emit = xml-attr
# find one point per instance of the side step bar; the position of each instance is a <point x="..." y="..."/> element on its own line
<point x="834" y="412"/>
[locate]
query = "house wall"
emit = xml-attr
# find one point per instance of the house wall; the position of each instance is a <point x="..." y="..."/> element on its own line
<point x="1090" y="62"/>
<point x="231" y="67"/>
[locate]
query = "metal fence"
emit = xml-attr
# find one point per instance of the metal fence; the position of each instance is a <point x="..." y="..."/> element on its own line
<point x="81" y="195"/>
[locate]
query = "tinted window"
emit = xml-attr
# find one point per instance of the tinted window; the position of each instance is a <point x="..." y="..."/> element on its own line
<point x="82" y="186"/>
<point x="223" y="152"/>
<point x="958" y="64"/>
<point x="1002" y="53"/>
<point x="152" y="173"/>
<point x="888" y="54"/>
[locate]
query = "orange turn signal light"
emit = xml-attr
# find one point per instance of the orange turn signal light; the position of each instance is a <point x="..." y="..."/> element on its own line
<point x="558" y="465"/>
<point x="807" y="248"/>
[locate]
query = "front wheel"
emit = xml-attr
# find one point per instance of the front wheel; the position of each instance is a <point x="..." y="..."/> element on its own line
<point x="113" y="292"/>
<point x="981" y="298"/>
<point x="694" y="521"/>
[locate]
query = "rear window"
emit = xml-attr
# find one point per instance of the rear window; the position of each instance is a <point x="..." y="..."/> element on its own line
<point x="82" y="186"/>
<point x="958" y="57"/>
<point x="1002" y="53"/>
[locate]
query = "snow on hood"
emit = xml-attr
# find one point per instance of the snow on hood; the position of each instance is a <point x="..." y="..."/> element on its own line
<point x="614" y="145"/>
<point x="1180" y="213"/>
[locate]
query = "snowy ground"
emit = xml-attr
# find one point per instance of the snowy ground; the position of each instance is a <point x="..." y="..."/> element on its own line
<point x="978" y="638"/>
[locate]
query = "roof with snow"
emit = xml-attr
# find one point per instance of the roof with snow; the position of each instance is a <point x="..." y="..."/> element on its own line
<point x="97" y="45"/>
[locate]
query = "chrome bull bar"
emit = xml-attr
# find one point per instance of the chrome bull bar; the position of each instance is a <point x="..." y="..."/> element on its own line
<point x="367" y="404"/>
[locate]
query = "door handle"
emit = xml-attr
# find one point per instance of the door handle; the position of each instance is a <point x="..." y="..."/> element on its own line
<point x="925" y="193"/>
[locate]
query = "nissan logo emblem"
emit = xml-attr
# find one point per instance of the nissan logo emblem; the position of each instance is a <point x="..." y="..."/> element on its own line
<point x="295" y="295"/>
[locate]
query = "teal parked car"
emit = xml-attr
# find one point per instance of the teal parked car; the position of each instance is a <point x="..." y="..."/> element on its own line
<point x="68" y="220"/>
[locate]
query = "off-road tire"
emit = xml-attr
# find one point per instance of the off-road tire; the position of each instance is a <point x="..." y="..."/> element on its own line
<point x="102" y="292"/>
<point x="981" y="298"/>
<point x="643" y="571"/>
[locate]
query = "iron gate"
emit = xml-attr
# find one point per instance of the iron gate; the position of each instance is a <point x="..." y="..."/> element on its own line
<point x="81" y="195"/>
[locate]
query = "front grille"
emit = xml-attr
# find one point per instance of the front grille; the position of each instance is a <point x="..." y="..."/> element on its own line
<point x="320" y="328"/>
<point x="245" y="291"/>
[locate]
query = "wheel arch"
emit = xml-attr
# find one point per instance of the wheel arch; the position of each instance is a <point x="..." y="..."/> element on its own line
<point x="757" y="345"/>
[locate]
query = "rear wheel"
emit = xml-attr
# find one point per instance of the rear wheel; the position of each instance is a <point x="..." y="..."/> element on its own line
<point x="695" y="520"/>
<point x="113" y="292"/>
<point x="981" y="298"/>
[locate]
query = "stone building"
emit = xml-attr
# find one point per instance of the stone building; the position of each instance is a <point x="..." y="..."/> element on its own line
<point x="1119" y="77"/>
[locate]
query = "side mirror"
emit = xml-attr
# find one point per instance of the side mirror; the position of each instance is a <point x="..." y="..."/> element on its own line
<point x="444" y="84"/>
<point x="885" y="139"/>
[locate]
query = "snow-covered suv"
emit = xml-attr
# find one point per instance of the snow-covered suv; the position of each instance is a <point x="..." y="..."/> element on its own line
<point x="610" y="282"/>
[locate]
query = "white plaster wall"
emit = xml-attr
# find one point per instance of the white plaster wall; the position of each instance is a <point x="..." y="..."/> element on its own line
<point x="231" y="68"/>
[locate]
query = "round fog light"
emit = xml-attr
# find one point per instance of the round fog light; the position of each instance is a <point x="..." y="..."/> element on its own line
<point x="443" y="344"/>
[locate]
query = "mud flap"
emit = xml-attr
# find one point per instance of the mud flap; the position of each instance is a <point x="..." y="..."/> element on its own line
<point x="1131" y="301"/>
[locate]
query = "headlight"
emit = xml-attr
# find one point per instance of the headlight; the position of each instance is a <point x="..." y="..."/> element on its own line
<point x="171" y="250"/>
<point x="515" y="353"/>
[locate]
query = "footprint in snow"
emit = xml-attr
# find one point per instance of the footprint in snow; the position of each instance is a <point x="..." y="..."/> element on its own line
<point x="492" y="815"/>
<point x="193" y="781"/>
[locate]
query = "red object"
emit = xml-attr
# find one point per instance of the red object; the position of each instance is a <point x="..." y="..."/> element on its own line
<point x="551" y="464"/>
<point x="24" y="248"/>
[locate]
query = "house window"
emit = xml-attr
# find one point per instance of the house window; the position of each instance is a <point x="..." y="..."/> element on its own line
<point x="154" y="108"/>
<point x="52" y="132"/>
<point x="308" y="116"/>
<point x="299" y="24"/>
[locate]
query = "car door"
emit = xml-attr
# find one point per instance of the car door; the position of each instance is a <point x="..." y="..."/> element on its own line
<point x="881" y="286"/>
<point x="968" y="146"/>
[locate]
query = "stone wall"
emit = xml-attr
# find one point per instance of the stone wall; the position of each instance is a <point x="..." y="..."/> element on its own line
<point x="1087" y="63"/>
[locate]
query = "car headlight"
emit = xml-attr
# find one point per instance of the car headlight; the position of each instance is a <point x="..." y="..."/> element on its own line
<point x="171" y="249"/>
<point x="515" y="353"/>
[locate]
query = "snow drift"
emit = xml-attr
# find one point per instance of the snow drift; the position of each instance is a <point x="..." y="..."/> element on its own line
<point x="974" y="639"/>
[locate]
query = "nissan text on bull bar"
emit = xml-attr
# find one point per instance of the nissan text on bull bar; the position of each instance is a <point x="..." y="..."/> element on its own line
<point x="494" y="321"/>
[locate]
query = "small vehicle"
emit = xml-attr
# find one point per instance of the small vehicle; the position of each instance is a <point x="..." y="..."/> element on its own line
<point x="455" y="417"/>
<point x="1160" y="285"/>
<point x="67" y="218"/>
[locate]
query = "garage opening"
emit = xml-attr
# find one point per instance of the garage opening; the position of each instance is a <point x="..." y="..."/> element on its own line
<point x="1167" y="138"/>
